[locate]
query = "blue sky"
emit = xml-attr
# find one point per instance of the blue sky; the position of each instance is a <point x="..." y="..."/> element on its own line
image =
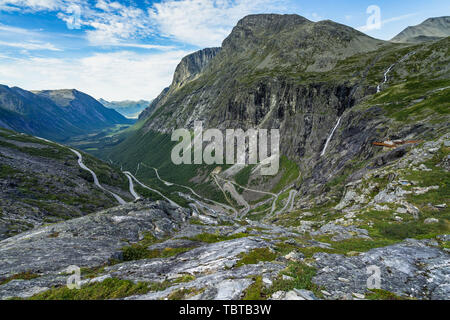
<point x="129" y="49"/>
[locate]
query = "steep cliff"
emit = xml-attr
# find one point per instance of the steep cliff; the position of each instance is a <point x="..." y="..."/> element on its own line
<point x="285" y="72"/>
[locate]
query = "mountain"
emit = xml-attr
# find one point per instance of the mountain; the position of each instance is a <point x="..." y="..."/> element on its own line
<point x="331" y="91"/>
<point x="127" y="108"/>
<point x="286" y="72"/>
<point x="429" y="30"/>
<point x="54" y="114"/>
<point x="42" y="182"/>
<point x="361" y="194"/>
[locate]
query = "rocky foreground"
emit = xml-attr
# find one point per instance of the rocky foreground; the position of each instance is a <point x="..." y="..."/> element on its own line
<point x="176" y="255"/>
<point x="385" y="238"/>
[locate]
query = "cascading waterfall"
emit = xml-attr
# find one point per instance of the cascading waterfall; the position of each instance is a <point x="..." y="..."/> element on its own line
<point x="385" y="78"/>
<point x="330" y="137"/>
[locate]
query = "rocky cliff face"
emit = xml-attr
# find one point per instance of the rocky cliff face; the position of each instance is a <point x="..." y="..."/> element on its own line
<point x="192" y="65"/>
<point x="301" y="77"/>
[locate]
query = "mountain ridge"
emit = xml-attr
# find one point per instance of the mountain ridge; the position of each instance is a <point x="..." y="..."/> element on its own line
<point x="300" y="79"/>
<point x="429" y="30"/>
<point x="128" y="108"/>
<point x="54" y="114"/>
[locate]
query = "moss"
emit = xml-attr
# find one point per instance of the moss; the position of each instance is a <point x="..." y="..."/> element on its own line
<point x="254" y="291"/>
<point x="302" y="274"/>
<point x="184" y="278"/>
<point x="256" y="255"/>
<point x="196" y="221"/>
<point x="402" y="231"/>
<point x="379" y="294"/>
<point x="93" y="272"/>
<point x="27" y="275"/>
<point x="302" y="279"/>
<point x="212" y="238"/>
<point x="138" y="252"/>
<point x="111" y="288"/>
<point x="182" y="294"/>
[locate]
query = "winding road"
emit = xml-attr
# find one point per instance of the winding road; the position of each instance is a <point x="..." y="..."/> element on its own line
<point x="96" y="182"/>
<point x="132" y="191"/>
<point x="167" y="183"/>
<point x="290" y="200"/>
<point x="129" y="175"/>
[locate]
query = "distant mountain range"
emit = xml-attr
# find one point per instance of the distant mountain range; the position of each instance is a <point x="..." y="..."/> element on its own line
<point x="54" y="114"/>
<point x="429" y="30"/>
<point x="128" y="108"/>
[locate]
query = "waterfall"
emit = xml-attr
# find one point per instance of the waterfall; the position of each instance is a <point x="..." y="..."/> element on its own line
<point x="330" y="136"/>
<point x="385" y="78"/>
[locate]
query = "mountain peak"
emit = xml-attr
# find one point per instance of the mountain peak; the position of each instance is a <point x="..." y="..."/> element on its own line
<point x="271" y="20"/>
<point x="429" y="30"/>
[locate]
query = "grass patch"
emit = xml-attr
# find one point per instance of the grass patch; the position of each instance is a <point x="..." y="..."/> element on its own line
<point x="412" y="230"/>
<point x="108" y="289"/>
<point x="379" y="294"/>
<point x="256" y="255"/>
<point x="182" y="294"/>
<point x="255" y="290"/>
<point x="27" y="275"/>
<point x="243" y="176"/>
<point x="302" y="279"/>
<point x="138" y="252"/>
<point x="212" y="238"/>
<point x="290" y="173"/>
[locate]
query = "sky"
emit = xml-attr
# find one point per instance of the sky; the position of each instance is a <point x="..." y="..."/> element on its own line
<point x="128" y="50"/>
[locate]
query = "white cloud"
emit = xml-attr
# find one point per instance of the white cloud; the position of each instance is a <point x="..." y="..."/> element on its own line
<point x="206" y="22"/>
<point x="316" y="17"/>
<point x="30" y="5"/>
<point x="125" y="74"/>
<point x="196" y="22"/>
<point x="30" y="45"/>
<point x="113" y="76"/>
<point x="108" y="22"/>
<point x="21" y="31"/>
<point x="366" y="28"/>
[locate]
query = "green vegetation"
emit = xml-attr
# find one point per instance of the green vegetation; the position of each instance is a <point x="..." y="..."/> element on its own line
<point x="7" y="171"/>
<point x="416" y="99"/>
<point x="139" y="148"/>
<point x="108" y="289"/>
<point x="243" y="176"/>
<point x="290" y="172"/>
<point x="138" y="252"/>
<point x="255" y="256"/>
<point x="183" y="293"/>
<point x="212" y="238"/>
<point x="255" y="290"/>
<point x="379" y="294"/>
<point x="302" y="279"/>
<point x="27" y="275"/>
